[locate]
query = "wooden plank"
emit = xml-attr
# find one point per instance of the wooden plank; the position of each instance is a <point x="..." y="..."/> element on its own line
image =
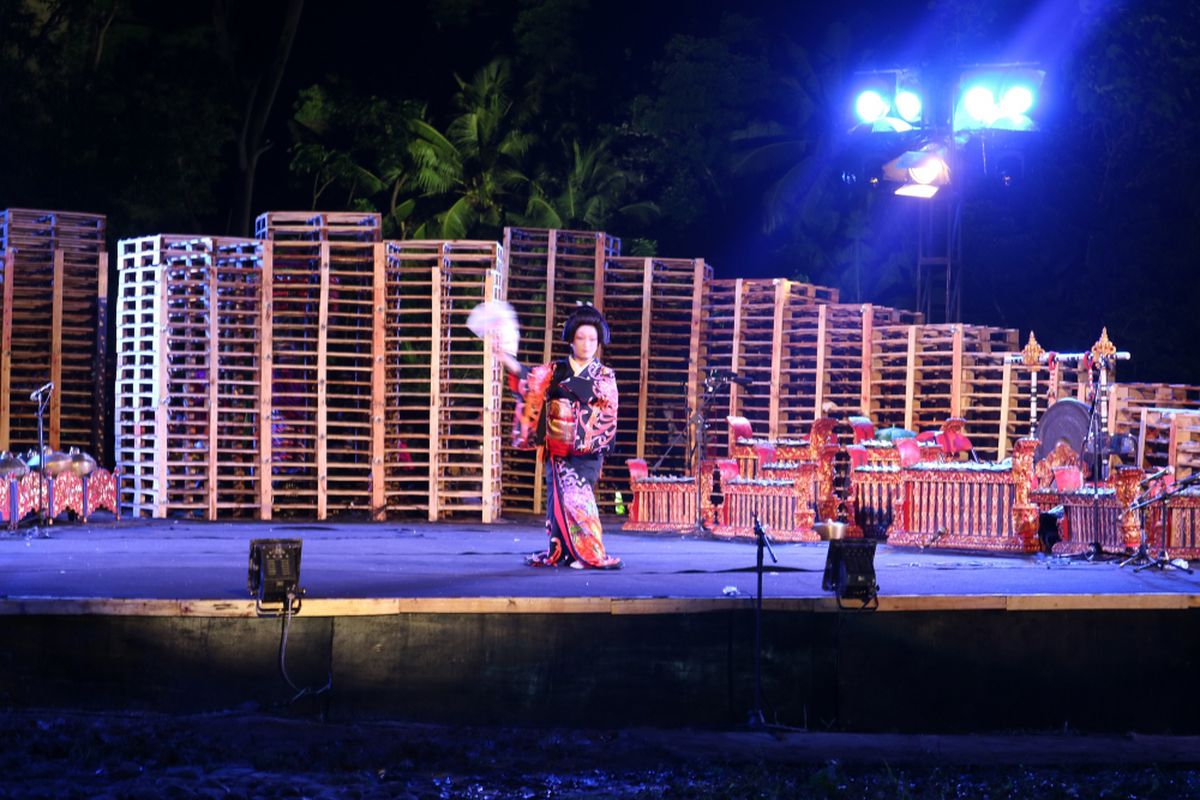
<point x="266" y="489"/>
<point x="819" y="394"/>
<point x="322" y="443"/>
<point x="435" y="390"/>
<point x="162" y="409"/>
<point x="1141" y="440"/>
<point x="6" y="351"/>
<point x="101" y="405"/>
<point x="781" y="297"/>
<point x="378" y="383"/>
<point x="910" y="379"/>
<point x="54" y="435"/>
<point x="736" y="351"/>
<point x="956" y="372"/>
<point x="868" y="333"/>
<point x="643" y="399"/>
<point x="699" y="284"/>
<point x="214" y="388"/>
<point x="1005" y="405"/>
<point x="490" y="489"/>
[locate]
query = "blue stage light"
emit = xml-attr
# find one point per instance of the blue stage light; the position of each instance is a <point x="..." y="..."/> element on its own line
<point x="980" y="103"/>
<point x="1016" y="100"/>
<point x="908" y="106"/>
<point x="998" y="97"/>
<point x="870" y="106"/>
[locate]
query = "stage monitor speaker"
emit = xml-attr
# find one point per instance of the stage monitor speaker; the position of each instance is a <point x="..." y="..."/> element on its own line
<point x="850" y="571"/>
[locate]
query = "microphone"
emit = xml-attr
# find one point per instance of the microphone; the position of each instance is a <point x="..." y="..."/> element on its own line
<point x="758" y="528"/>
<point x="1188" y="481"/>
<point x="741" y="380"/>
<point x="37" y="393"/>
<point x="1149" y="479"/>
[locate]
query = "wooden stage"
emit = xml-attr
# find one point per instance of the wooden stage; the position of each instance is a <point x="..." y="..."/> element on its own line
<point x="444" y="622"/>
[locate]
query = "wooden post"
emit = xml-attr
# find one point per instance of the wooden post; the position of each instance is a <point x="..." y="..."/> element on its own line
<point x="956" y="372"/>
<point x="322" y="442"/>
<point x="378" y="384"/>
<point x="735" y="356"/>
<point x="643" y="399"/>
<point x="101" y="400"/>
<point x="1173" y="441"/>
<point x="1005" y="403"/>
<point x="6" y="352"/>
<point x="1141" y="441"/>
<point x="868" y="353"/>
<point x="162" y="410"/>
<point x="492" y="391"/>
<point x="266" y="497"/>
<point x="699" y="284"/>
<point x="781" y="295"/>
<point x="601" y="258"/>
<point x="435" y="388"/>
<point x="214" y="386"/>
<point x="539" y="466"/>
<point x="53" y="437"/>
<point x="910" y="379"/>
<point x="819" y="393"/>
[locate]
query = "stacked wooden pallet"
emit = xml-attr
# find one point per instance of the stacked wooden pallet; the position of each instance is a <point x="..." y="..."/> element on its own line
<point x="54" y="322"/>
<point x="325" y="321"/>
<point x="827" y="360"/>
<point x="653" y="306"/>
<point x="1165" y="418"/>
<point x="444" y="387"/>
<point x="549" y="272"/>
<point x="924" y="374"/>
<point x="189" y="387"/>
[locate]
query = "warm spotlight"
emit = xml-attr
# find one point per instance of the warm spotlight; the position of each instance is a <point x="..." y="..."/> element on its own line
<point x="921" y="190"/>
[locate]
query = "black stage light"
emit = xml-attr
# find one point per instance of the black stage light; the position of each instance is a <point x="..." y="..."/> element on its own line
<point x="850" y="570"/>
<point x="275" y="576"/>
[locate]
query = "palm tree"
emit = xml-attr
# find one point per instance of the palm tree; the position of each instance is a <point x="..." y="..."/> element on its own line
<point x="476" y="164"/>
<point x="591" y="194"/>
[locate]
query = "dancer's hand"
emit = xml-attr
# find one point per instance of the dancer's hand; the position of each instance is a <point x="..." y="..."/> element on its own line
<point x="510" y="363"/>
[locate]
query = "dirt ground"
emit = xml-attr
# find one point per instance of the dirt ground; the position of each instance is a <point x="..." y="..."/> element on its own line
<point x="251" y="755"/>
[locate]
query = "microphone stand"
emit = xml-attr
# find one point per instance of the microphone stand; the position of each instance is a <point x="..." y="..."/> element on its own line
<point x="39" y="528"/>
<point x="711" y="384"/>
<point x="1096" y="551"/>
<point x="1142" y="558"/>
<point x="763" y="542"/>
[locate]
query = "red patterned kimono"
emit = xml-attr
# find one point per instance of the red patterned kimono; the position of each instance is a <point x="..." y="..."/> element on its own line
<point x="575" y="418"/>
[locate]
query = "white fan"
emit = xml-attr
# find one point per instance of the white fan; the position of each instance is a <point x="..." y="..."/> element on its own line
<point x="498" y="317"/>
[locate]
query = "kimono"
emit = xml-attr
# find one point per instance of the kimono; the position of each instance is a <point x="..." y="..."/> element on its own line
<point x="574" y="418"/>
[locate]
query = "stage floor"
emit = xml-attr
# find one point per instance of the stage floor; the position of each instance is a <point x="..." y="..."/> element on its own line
<point x="173" y="567"/>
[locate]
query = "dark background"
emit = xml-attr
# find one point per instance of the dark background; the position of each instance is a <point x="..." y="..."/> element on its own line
<point x="712" y="129"/>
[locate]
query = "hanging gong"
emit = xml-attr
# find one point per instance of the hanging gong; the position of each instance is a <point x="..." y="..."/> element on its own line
<point x="1065" y="421"/>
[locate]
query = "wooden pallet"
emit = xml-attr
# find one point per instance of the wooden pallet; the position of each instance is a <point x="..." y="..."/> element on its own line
<point x="1169" y="437"/>
<point x="443" y="386"/>
<point x="548" y="272"/>
<point x="654" y="307"/>
<point x="189" y="387"/>
<point x="54" y="328"/>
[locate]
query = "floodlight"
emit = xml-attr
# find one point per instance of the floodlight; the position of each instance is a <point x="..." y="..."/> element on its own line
<point x="1016" y="100"/>
<point x="887" y="101"/>
<point x="870" y="106"/>
<point x="998" y="97"/>
<point x="908" y="106"/>
<point x="980" y="104"/>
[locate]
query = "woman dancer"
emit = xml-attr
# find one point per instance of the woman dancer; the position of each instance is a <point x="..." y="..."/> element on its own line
<point x="570" y="406"/>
